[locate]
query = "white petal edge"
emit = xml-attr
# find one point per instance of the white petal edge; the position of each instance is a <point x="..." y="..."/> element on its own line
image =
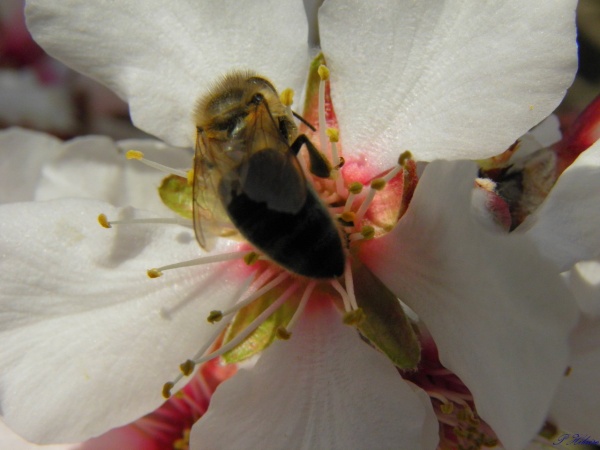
<point x="575" y="407"/>
<point x="584" y="281"/>
<point x="543" y="135"/>
<point x="324" y="388"/>
<point x="160" y="57"/>
<point x="11" y="441"/>
<point x="499" y="314"/>
<point x="565" y="227"/>
<point x="88" y="339"/>
<point x="23" y="154"/>
<point x="445" y="79"/>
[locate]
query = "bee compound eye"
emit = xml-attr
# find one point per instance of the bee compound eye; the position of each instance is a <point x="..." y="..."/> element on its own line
<point x="257" y="99"/>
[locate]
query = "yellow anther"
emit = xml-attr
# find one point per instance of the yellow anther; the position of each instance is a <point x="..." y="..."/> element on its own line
<point x="187" y="367"/>
<point x="354" y="317"/>
<point x="166" y="390"/>
<point x="251" y="257"/>
<point x="465" y="414"/>
<point x="348" y="216"/>
<point x="183" y="443"/>
<point x="226" y="232"/>
<point x="378" y="184"/>
<point x="473" y="420"/>
<point x="214" y="316"/>
<point x="287" y="97"/>
<point x="333" y="134"/>
<point x="190" y="176"/>
<point x="154" y="273"/>
<point x="323" y="72"/>
<point x="282" y="333"/>
<point x="355" y="188"/>
<point x="368" y="232"/>
<point x="447" y="408"/>
<point x="490" y="442"/>
<point x="103" y="221"/>
<point x="134" y="154"/>
<point x="459" y="432"/>
<point x="404" y="157"/>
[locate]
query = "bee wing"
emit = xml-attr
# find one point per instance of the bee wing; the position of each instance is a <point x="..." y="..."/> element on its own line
<point x="271" y="173"/>
<point x="210" y="219"/>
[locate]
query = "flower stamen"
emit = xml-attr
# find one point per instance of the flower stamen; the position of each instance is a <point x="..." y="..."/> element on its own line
<point x="263" y="290"/>
<point x="376" y="185"/>
<point x="349" y="282"/>
<point x="157" y="272"/>
<point x="347" y="218"/>
<point x="138" y="155"/>
<point x="323" y="72"/>
<point x="379" y="184"/>
<point x="366" y="232"/>
<point x="347" y="294"/>
<point x="213" y="337"/>
<point x="105" y="223"/>
<point x="354" y="189"/>
<point x="338" y="287"/>
<point x="251" y="258"/>
<point x="238" y="339"/>
<point x="334" y="137"/>
<point x="168" y="386"/>
<point x="303" y="301"/>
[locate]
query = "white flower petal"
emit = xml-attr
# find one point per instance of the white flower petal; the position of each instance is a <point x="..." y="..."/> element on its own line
<point x="23" y="154"/>
<point x="498" y="313"/>
<point x="445" y="79"/>
<point x="584" y="281"/>
<point x="10" y="441"/>
<point x="575" y="408"/>
<point x="324" y="388"/>
<point x="546" y="133"/>
<point x="565" y="227"/>
<point x="88" y="339"/>
<point x="96" y="167"/>
<point x="430" y="435"/>
<point x="161" y="56"/>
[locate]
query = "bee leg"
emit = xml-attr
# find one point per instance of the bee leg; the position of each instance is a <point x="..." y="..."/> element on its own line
<point x="319" y="164"/>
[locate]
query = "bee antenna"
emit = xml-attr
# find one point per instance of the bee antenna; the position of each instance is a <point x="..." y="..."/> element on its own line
<point x="303" y="120"/>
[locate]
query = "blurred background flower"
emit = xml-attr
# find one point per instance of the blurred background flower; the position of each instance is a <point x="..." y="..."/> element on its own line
<point x="41" y="93"/>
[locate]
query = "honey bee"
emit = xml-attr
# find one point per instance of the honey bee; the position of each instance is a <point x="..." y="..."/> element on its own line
<point x="247" y="177"/>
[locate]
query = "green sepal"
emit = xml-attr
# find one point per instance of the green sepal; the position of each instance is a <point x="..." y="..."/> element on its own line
<point x="177" y="195"/>
<point x="385" y="324"/>
<point x="265" y="334"/>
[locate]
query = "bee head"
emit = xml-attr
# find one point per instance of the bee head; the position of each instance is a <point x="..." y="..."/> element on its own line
<point x="233" y="95"/>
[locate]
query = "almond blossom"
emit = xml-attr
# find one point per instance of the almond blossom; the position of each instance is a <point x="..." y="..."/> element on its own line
<point x="87" y="341"/>
<point x="566" y="230"/>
